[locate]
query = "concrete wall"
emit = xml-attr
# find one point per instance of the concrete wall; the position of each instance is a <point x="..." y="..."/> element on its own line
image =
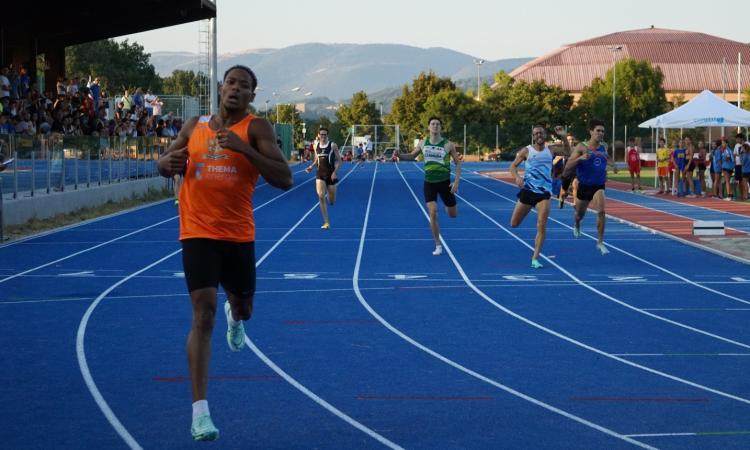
<point x="41" y="206"/>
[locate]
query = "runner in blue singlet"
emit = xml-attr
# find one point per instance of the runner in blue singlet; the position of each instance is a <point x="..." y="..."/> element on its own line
<point x="536" y="184"/>
<point x="590" y="161"/>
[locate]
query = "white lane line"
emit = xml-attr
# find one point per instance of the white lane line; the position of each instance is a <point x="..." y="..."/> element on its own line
<point x="124" y="236"/>
<point x="699" y="433"/>
<point x="296" y="384"/>
<point x="604" y="294"/>
<point x="568" y="338"/>
<point x="661" y="435"/>
<point x="659" y="232"/>
<point x="83" y="223"/>
<point x="638" y="258"/>
<point x="681" y="354"/>
<point x="85" y="250"/>
<point x="84" y="366"/>
<point x="450" y="362"/>
<point x="115" y="422"/>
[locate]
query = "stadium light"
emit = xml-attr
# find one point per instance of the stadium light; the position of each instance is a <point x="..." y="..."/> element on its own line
<point x="478" y="63"/>
<point x="613" y="49"/>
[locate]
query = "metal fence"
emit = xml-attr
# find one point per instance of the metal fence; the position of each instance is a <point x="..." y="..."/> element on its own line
<point x="182" y="106"/>
<point x="43" y="164"/>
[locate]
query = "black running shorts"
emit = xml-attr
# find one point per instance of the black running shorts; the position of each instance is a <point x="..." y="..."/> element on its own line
<point x="586" y="192"/>
<point x="209" y="262"/>
<point x="442" y="188"/>
<point x="531" y="198"/>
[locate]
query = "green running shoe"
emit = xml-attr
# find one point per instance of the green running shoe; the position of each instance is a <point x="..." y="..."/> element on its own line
<point x="235" y="335"/>
<point x="535" y="264"/>
<point x="203" y="429"/>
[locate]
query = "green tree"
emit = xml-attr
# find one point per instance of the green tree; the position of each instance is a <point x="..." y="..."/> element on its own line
<point x="338" y="132"/>
<point x="361" y="111"/>
<point x="518" y="105"/>
<point x="456" y="109"/>
<point x="182" y="82"/>
<point x="639" y="95"/>
<point x="407" y="109"/>
<point x="287" y="113"/>
<point x="116" y="64"/>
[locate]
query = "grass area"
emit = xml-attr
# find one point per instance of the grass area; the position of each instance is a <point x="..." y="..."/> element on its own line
<point x="34" y="226"/>
<point x="647" y="176"/>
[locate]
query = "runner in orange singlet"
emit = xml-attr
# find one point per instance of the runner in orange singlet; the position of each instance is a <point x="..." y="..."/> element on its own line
<point x="221" y="157"/>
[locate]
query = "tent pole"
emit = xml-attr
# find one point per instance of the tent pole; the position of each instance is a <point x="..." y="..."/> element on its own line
<point x="654" y="136"/>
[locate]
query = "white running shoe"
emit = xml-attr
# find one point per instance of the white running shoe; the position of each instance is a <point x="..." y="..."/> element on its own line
<point x="235" y="334"/>
<point x="438" y="251"/>
<point x="203" y="429"/>
<point x="602" y="248"/>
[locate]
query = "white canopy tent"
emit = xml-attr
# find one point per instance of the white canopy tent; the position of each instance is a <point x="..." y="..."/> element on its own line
<point x="704" y="110"/>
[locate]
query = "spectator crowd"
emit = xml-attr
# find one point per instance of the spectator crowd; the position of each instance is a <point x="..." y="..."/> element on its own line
<point x="78" y="107"/>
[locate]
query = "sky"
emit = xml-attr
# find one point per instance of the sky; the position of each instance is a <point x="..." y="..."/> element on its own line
<point x="484" y="29"/>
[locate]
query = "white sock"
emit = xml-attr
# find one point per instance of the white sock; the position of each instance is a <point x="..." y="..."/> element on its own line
<point x="200" y="407"/>
<point x="230" y="319"/>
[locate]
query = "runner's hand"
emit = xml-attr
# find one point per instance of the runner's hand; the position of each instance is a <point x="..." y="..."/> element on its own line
<point x="560" y="131"/>
<point x="228" y="139"/>
<point x="175" y="161"/>
<point x="333" y="176"/>
<point x="454" y="187"/>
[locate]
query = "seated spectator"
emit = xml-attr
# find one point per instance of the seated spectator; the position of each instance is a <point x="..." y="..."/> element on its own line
<point x="5" y="126"/>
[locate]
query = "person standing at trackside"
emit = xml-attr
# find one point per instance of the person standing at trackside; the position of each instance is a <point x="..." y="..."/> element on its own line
<point x="590" y="161"/>
<point x="328" y="160"/>
<point x="745" y="155"/>
<point x="716" y="155"/>
<point x="687" y="174"/>
<point x="437" y="152"/>
<point x="737" y="152"/>
<point x="633" y="156"/>
<point x="727" y="167"/>
<point x="536" y="184"/>
<point x="678" y="163"/>
<point x="700" y="166"/>
<point x="662" y="166"/>
<point x="222" y="156"/>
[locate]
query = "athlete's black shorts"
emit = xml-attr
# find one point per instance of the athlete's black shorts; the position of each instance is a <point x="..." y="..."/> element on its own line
<point x="326" y="176"/>
<point x="431" y="191"/>
<point x="531" y="198"/>
<point x="586" y="192"/>
<point x="209" y="262"/>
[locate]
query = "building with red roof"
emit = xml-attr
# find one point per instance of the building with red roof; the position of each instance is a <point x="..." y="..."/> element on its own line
<point x="690" y="61"/>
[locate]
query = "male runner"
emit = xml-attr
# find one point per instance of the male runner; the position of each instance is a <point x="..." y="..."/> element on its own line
<point x="221" y="156"/>
<point x="536" y="184"/>
<point x="438" y="152"/>
<point x="590" y="161"/>
<point x="328" y="160"/>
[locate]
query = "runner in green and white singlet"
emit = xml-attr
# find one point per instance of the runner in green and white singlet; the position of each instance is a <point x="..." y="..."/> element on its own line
<point x="437" y="152"/>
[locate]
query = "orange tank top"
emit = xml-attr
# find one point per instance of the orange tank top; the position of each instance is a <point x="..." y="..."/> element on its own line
<point x="216" y="197"/>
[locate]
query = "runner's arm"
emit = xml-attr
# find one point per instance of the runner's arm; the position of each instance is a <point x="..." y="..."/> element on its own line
<point x="411" y="156"/>
<point x="172" y="161"/>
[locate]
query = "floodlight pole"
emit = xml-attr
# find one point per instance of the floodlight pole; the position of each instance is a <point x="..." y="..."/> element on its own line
<point x="614" y="88"/>
<point x="478" y="63"/>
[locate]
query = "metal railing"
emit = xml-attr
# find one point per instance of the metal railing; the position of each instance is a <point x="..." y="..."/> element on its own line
<point x="45" y="164"/>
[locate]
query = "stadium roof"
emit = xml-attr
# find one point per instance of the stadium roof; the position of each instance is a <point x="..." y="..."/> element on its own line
<point x="70" y="23"/>
<point x="691" y="62"/>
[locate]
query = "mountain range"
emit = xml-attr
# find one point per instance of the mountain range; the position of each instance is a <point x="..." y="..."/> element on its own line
<point x="331" y="73"/>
